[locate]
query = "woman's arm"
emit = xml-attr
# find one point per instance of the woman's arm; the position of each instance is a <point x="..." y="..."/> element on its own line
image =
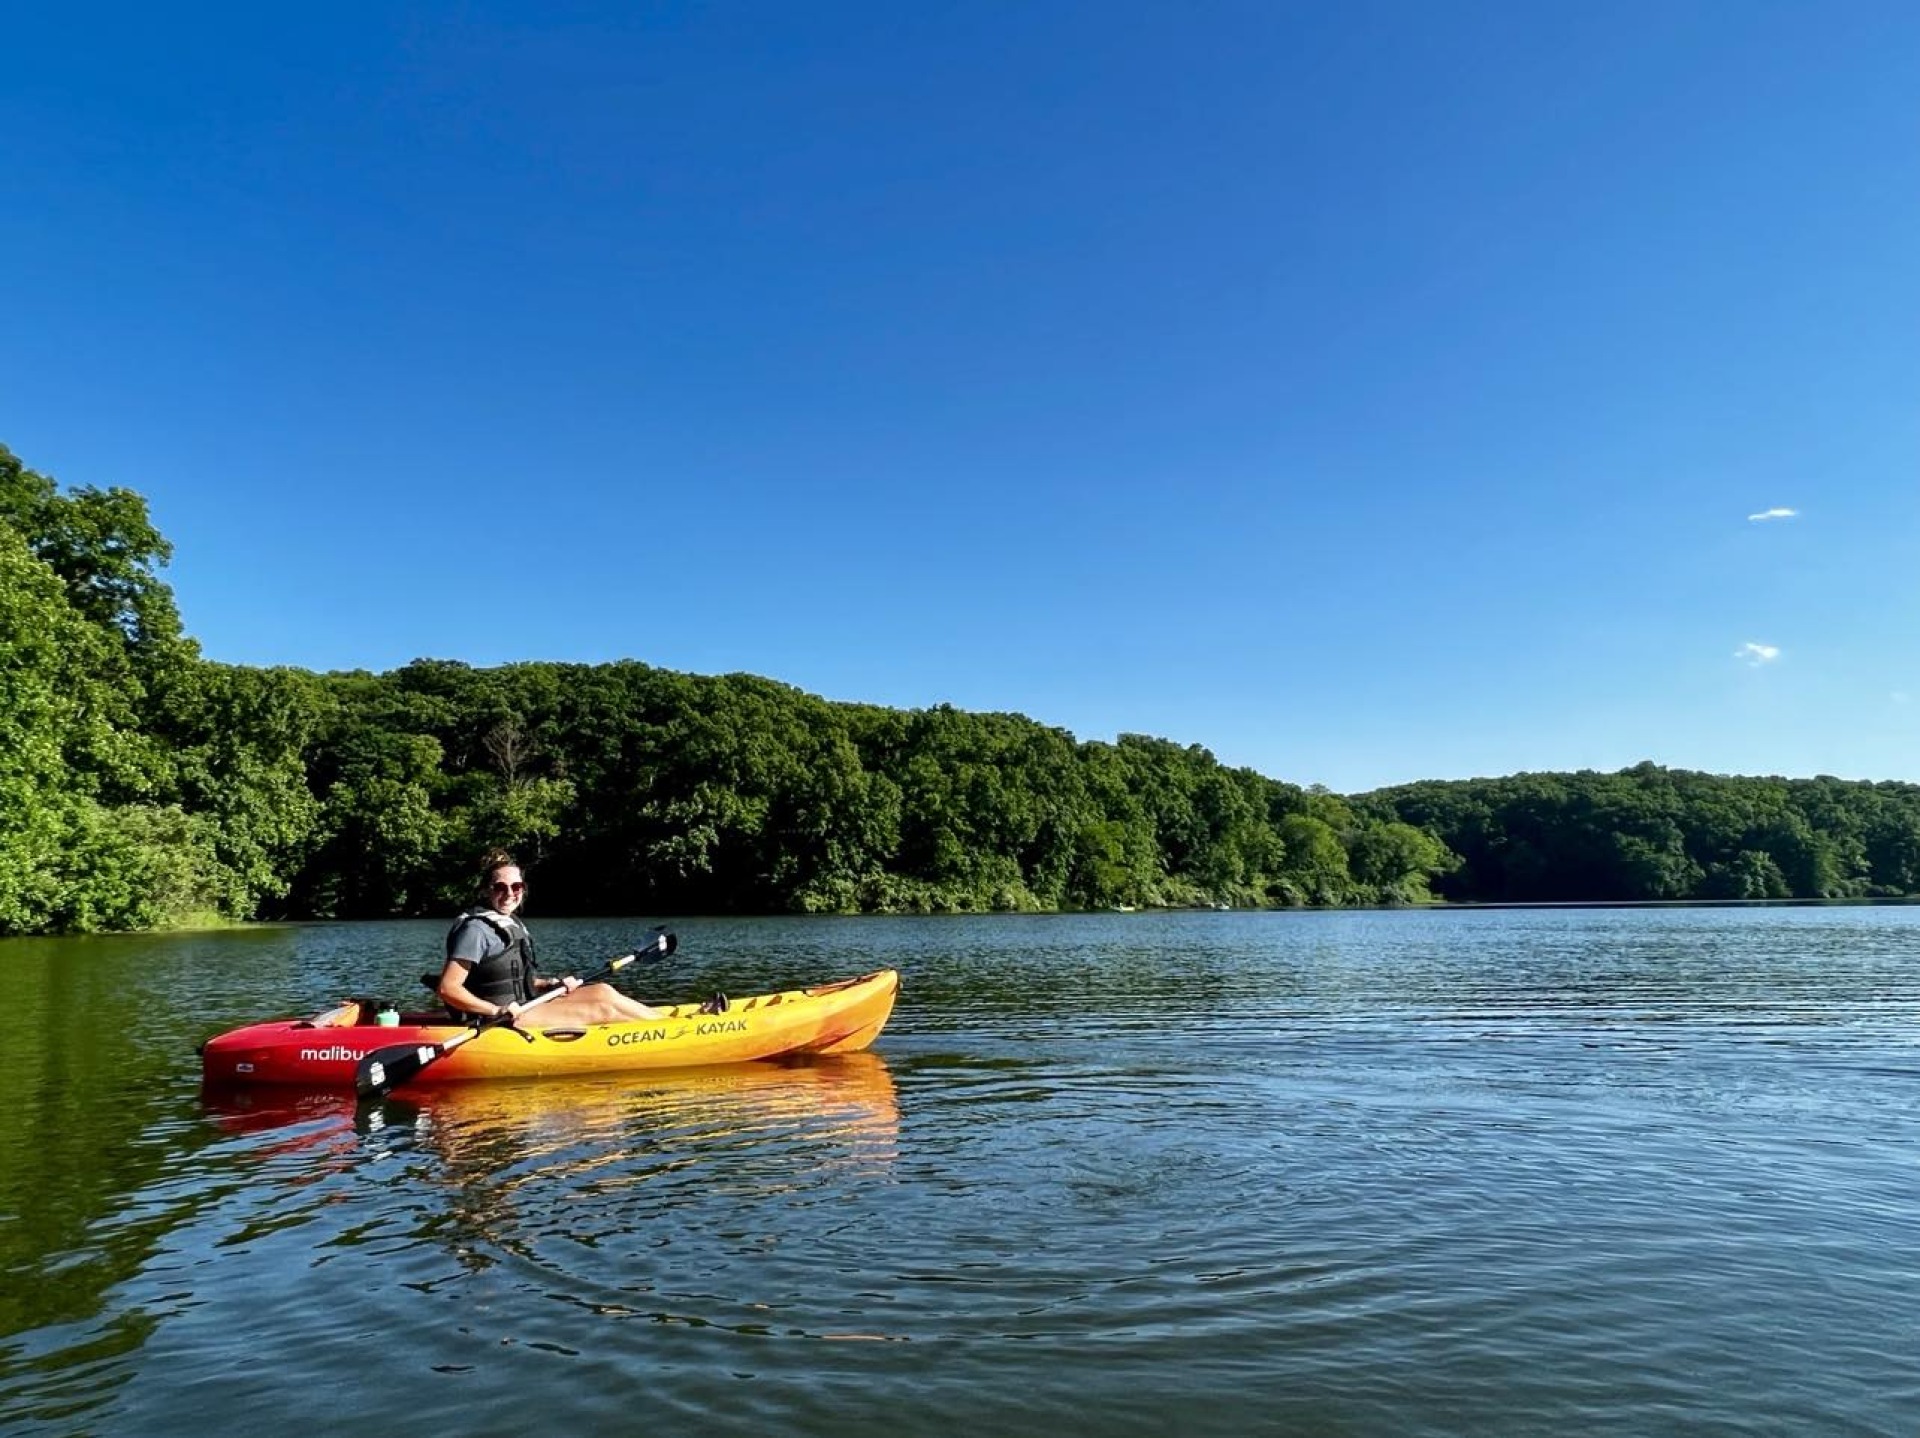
<point x="456" y="995"/>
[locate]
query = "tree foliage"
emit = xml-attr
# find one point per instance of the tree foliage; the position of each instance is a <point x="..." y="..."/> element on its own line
<point x="139" y="785"/>
<point x="1650" y="833"/>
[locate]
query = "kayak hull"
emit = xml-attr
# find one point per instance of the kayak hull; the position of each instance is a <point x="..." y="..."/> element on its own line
<point x="325" y="1052"/>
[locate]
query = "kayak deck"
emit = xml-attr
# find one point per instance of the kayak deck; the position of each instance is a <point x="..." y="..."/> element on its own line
<point x="325" y="1051"/>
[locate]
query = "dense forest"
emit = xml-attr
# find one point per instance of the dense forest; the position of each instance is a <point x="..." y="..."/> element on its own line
<point x="143" y="785"/>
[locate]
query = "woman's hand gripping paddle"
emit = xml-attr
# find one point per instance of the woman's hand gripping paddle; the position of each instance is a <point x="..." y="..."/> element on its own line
<point x="386" y="1069"/>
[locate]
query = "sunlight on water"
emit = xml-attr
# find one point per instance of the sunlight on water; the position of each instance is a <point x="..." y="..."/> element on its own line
<point x="1215" y="1173"/>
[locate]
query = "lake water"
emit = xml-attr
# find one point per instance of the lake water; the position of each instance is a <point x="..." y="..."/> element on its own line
<point x="1590" y="1171"/>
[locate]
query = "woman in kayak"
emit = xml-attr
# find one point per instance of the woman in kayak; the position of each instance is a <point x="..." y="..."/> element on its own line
<point x="490" y="967"/>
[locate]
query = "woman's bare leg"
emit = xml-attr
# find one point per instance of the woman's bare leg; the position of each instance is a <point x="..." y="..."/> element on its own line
<point x="590" y="1004"/>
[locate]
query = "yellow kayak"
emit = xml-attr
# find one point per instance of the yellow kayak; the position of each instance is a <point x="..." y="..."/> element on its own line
<point x="325" y="1051"/>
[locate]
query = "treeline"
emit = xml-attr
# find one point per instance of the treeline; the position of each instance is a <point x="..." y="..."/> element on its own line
<point x="631" y="788"/>
<point x="142" y="785"/>
<point x="1649" y="834"/>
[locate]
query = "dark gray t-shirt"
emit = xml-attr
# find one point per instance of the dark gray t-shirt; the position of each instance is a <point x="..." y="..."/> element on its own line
<point x="477" y="939"/>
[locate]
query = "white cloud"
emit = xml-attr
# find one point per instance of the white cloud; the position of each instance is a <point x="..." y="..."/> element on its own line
<point x="1757" y="654"/>
<point x="1777" y="512"/>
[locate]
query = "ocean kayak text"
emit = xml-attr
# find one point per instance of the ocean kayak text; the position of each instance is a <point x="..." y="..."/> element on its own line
<point x="647" y="1036"/>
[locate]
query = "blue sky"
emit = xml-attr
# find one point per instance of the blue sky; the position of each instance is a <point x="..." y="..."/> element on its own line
<point x="1368" y="392"/>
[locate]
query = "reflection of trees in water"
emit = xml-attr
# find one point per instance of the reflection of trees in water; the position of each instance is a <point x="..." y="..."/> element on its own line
<point x="103" y="1154"/>
<point x="92" y="1128"/>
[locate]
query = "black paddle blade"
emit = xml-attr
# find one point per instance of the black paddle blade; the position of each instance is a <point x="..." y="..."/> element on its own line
<point x="660" y="946"/>
<point x="388" y="1068"/>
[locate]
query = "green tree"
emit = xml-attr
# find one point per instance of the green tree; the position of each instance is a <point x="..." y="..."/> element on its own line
<point x="65" y="741"/>
<point x="239" y="739"/>
<point x="1314" y="868"/>
<point x="1398" y="862"/>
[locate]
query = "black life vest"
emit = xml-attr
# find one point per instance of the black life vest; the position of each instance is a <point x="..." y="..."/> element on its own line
<point x="505" y="977"/>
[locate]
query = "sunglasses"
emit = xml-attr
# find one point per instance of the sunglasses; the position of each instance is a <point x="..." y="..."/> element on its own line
<point x="505" y="888"/>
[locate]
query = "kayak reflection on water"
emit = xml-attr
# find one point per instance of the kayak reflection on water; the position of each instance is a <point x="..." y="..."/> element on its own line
<point x="843" y="1095"/>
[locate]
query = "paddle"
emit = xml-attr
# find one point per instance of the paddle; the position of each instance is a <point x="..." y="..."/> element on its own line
<point x="388" y="1068"/>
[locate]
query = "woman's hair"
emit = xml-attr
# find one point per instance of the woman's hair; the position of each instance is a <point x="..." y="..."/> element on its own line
<point x="491" y="863"/>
